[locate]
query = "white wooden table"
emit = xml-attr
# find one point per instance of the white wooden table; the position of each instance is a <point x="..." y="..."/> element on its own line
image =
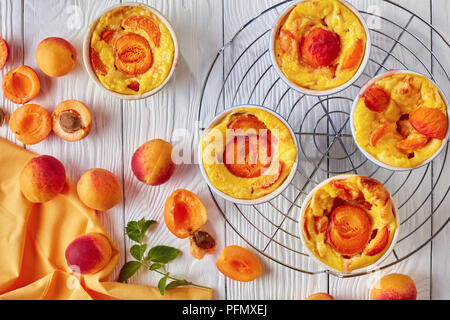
<point x="120" y="127"/>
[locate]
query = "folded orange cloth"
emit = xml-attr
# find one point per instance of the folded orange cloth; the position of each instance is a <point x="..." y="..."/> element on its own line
<point x="33" y="239"/>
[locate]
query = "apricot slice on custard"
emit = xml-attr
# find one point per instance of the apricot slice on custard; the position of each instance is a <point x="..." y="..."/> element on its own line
<point x="4" y="52"/>
<point x="379" y="132"/>
<point x="97" y="63"/>
<point x="431" y="122"/>
<point x="320" y="47"/>
<point x="349" y="229"/>
<point x="239" y="264"/>
<point x="184" y="213"/>
<point x="378" y="243"/>
<point x="133" y="54"/>
<point x="146" y="24"/>
<point x="376" y="99"/>
<point x="72" y="120"/>
<point x="21" y="85"/>
<point x="287" y="41"/>
<point x="353" y="57"/>
<point x="30" y="123"/>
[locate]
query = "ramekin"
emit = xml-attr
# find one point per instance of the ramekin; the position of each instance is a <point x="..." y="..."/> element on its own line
<point x="87" y="45"/>
<point x="324" y="265"/>
<point x="352" y="125"/>
<point x="266" y="197"/>
<point x="277" y="25"/>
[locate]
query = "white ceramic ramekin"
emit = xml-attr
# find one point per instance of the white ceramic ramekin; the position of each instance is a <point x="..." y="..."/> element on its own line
<point x="266" y="197"/>
<point x="327" y="267"/>
<point x="274" y="32"/>
<point x="352" y="125"/>
<point x="87" y="45"/>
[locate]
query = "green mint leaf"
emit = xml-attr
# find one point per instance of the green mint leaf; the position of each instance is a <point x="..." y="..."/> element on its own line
<point x="162" y="284"/>
<point x="136" y="229"/>
<point x="146" y="224"/>
<point x="128" y="270"/>
<point x="138" y="251"/>
<point x="177" y="283"/>
<point x="155" y="266"/>
<point x="162" y="254"/>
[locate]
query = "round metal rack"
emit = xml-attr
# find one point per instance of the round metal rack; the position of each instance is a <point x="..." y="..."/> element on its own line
<point x="243" y="71"/>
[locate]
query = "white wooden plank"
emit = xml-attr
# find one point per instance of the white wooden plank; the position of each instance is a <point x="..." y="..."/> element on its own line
<point x="162" y="116"/>
<point x="11" y="29"/>
<point x="102" y="148"/>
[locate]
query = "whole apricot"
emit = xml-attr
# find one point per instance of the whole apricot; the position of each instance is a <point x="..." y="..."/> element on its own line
<point x="42" y="179"/>
<point x="320" y="47"/>
<point x="152" y="162"/>
<point x="99" y="189"/>
<point x="320" y="296"/>
<point x="55" y="56"/>
<point x="4" y="52"/>
<point x="394" y="286"/>
<point x="88" y="253"/>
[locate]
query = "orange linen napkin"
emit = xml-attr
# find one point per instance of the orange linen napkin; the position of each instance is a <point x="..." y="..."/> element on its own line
<point x="33" y="239"/>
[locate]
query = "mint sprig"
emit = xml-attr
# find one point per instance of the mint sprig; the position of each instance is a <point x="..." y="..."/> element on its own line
<point x="155" y="259"/>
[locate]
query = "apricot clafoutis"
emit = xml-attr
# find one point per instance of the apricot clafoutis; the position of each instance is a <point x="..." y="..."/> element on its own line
<point x="131" y="50"/>
<point x="239" y="264"/>
<point x="71" y="120"/>
<point x="394" y="286"/>
<point x="99" y="189"/>
<point x="185" y="215"/>
<point x="30" y="123"/>
<point x="320" y="45"/>
<point x="349" y="223"/>
<point x="42" y="179"/>
<point x="21" y="85"/>
<point x="401" y="119"/>
<point x="248" y="154"/>
<point x="56" y="57"/>
<point x="152" y="162"/>
<point x="89" y="253"/>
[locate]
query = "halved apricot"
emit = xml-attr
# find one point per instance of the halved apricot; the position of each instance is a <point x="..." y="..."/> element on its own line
<point x="353" y="57"/>
<point x="287" y="41"/>
<point x="412" y="143"/>
<point x="202" y="242"/>
<point x="97" y="63"/>
<point x="107" y="35"/>
<point x="184" y="213"/>
<point x="146" y="24"/>
<point x="239" y="264"/>
<point x="133" y="54"/>
<point x="320" y="47"/>
<point x="30" y="123"/>
<point x="378" y="243"/>
<point x="72" y="120"/>
<point x="21" y="85"/>
<point x="349" y="229"/>
<point x="376" y="99"/>
<point x="431" y="122"/>
<point x="379" y="132"/>
<point x="4" y="52"/>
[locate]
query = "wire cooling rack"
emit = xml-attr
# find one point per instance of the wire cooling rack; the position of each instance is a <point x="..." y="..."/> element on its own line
<point x="243" y="71"/>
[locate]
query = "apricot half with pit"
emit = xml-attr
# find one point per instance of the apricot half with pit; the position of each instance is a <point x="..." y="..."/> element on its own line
<point x="56" y="57"/>
<point x="152" y="162"/>
<point x="72" y="120"/>
<point x="30" y="123"/>
<point x="42" y="179"/>
<point x="184" y="213"/>
<point x="320" y="47"/>
<point x="21" y="85"/>
<point x="202" y="242"/>
<point x="89" y="253"/>
<point x="99" y="189"/>
<point x="239" y="264"/>
<point x="349" y="229"/>
<point x="133" y="54"/>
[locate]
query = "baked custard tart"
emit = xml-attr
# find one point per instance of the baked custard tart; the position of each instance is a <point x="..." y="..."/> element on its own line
<point x="248" y="153"/>
<point x="348" y="222"/>
<point x="131" y="50"/>
<point x="320" y="45"/>
<point x="400" y="119"/>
